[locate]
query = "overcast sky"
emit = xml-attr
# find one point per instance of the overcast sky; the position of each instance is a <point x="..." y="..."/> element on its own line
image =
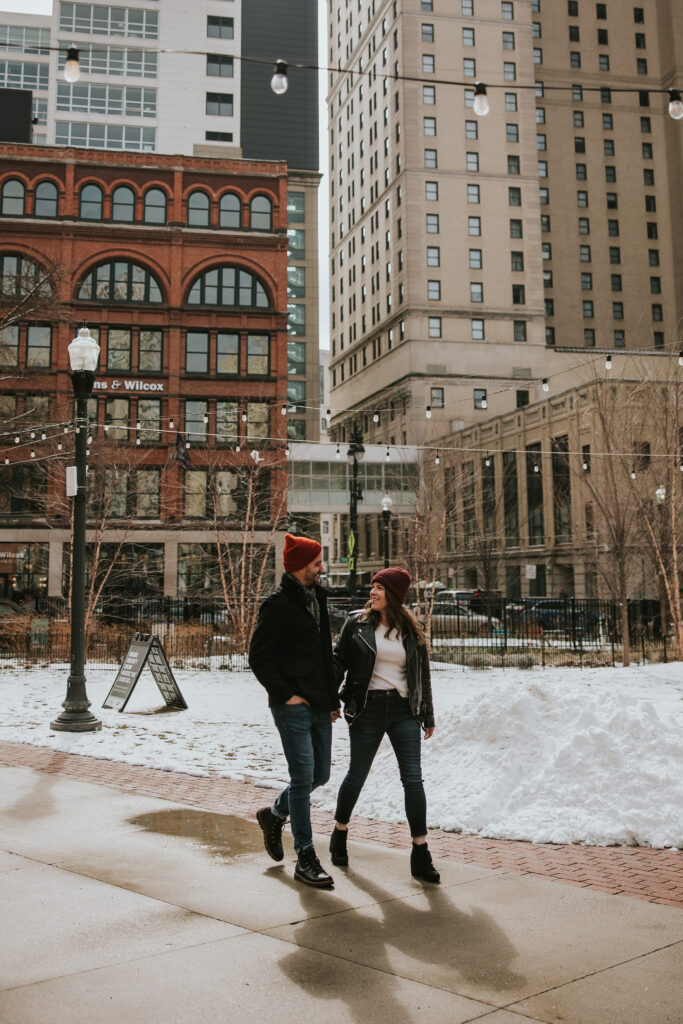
<point x="45" y="7"/>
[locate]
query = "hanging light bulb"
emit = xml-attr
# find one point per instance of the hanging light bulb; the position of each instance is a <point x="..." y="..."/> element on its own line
<point x="237" y="448"/>
<point x="633" y="473"/>
<point x="278" y="82"/>
<point x="171" y="424"/>
<point x="608" y="362"/>
<point x="33" y="454"/>
<point x="33" y="434"/>
<point x="106" y="428"/>
<point x="138" y="441"/>
<point x="43" y="436"/>
<point x="328" y="416"/>
<point x="546" y="385"/>
<point x="585" y="466"/>
<point x="89" y="438"/>
<point x="187" y="444"/>
<point x="537" y="468"/>
<point x="287" y="453"/>
<point x="59" y="446"/>
<point x="375" y="417"/>
<point x="481" y="103"/>
<point x="484" y="403"/>
<point x="66" y="430"/>
<point x="487" y="460"/>
<point x="680" y="358"/>
<point x="675" y="104"/>
<point x="205" y="418"/>
<point x="428" y="412"/>
<point x="337" y="454"/>
<point x="6" y="461"/>
<point x="16" y="439"/>
<point x="244" y="417"/>
<point x="388" y="454"/>
<point x="72" y="68"/>
<point x="283" y="409"/>
<point x="137" y="425"/>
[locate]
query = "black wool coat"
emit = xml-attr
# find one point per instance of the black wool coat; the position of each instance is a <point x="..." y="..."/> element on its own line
<point x="288" y="653"/>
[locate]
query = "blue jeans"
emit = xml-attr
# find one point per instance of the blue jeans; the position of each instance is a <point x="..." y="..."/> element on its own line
<point x="307" y="744"/>
<point x="386" y="712"/>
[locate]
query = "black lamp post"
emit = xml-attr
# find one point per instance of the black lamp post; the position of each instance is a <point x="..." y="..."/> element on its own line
<point x="386" y="516"/>
<point x="83" y="355"/>
<point x="355" y="455"/>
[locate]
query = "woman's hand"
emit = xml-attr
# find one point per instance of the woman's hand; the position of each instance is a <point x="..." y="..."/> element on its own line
<point x="296" y="700"/>
<point x="429" y="732"/>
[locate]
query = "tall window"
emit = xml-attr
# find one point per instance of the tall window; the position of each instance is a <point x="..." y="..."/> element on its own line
<point x="120" y="282"/>
<point x="261" y="214"/>
<point x="534" y="487"/>
<point x="198" y="209"/>
<point x="123" y="204"/>
<point x="155" y="206"/>
<point x="39" y="344"/>
<point x="90" y="203"/>
<point x="46" y="195"/>
<point x="230" y="211"/>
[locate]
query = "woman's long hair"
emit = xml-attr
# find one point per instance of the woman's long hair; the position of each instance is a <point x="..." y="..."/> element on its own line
<point x="398" y="617"/>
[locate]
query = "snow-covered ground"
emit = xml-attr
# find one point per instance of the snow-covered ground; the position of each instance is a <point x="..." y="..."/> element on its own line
<point x="549" y="755"/>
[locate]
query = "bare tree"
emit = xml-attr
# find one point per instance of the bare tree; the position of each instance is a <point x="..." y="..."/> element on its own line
<point x="423" y="534"/>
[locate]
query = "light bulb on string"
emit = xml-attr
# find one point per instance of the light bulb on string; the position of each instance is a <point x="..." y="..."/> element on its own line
<point x="244" y="417"/>
<point x="546" y="385"/>
<point x="237" y="448"/>
<point x="537" y="468"/>
<point x="89" y="438"/>
<point x="206" y="417"/>
<point x="187" y="444"/>
<point x="437" y="460"/>
<point x="481" y="103"/>
<point x="585" y="465"/>
<point x="608" y="362"/>
<point x="388" y="454"/>
<point x="171" y="425"/>
<point x="675" y="104"/>
<point x="66" y="430"/>
<point x="33" y="434"/>
<point x="375" y="417"/>
<point x="16" y="439"/>
<point x="680" y="466"/>
<point x="337" y="454"/>
<point x="328" y="416"/>
<point x="33" y="454"/>
<point x="287" y="452"/>
<point x="137" y="425"/>
<point x="484" y="403"/>
<point x="6" y="461"/>
<point x="106" y="428"/>
<point x="72" y="67"/>
<point x="279" y="83"/>
<point x="59" y="446"/>
<point x="283" y="409"/>
<point x="487" y="460"/>
<point x="43" y="436"/>
<point x="138" y="442"/>
<point x="428" y="412"/>
<point x="680" y="358"/>
<point x="633" y="473"/>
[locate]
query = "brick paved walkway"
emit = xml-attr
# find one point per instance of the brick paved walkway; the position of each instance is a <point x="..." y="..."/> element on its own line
<point x="640" y="872"/>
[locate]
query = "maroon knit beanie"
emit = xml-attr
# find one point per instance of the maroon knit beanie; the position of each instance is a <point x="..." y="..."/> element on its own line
<point x="299" y="552"/>
<point x="396" y="581"/>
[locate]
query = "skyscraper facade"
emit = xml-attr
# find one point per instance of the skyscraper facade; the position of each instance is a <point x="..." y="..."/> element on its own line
<point x="475" y="255"/>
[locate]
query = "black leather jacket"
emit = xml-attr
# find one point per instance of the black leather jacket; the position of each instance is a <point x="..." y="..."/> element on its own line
<point x="354" y="663"/>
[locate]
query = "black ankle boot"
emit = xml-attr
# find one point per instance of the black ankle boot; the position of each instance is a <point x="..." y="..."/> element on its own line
<point x="340" y="857"/>
<point x="309" y="870"/>
<point x="421" y="864"/>
<point x="271" y="826"/>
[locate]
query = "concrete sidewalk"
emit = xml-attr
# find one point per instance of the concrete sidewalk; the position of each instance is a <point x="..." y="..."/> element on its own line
<point x="122" y="908"/>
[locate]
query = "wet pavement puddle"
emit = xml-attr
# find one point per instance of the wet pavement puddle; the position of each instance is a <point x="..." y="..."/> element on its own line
<point x="222" y="835"/>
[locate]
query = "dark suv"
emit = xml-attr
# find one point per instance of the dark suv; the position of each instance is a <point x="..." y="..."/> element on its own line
<point x="558" y="614"/>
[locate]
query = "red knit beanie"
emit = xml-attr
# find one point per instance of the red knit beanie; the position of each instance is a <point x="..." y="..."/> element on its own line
<point x="299" y="552"/>
<point x="396" y="581"/>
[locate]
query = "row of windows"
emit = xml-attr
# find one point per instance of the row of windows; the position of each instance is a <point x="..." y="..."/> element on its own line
<point x="128" y="101"/>
<point x="100" y="19"/>
<point x="217" y="422"/>
<point x="124" y="205"/>
<point x="28" y="40"/>
<point x="123" y="281"/>
<point x="15" y="74"/>
<point x="112" y="60"/>
<point x="618" y="338"/>
<point x="105" y="136"/>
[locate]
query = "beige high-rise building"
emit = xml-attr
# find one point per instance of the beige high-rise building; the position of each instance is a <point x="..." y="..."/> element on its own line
<point x="472" y="256"/>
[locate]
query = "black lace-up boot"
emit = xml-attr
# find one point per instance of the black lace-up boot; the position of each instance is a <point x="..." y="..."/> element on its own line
<point x="340" y="857"/>
<point x="271" y="826"/>
<point x="421" y="864"/>
<point x="309" y="870"/>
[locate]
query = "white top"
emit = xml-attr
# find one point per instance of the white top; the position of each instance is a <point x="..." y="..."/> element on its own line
<point x="390" y="663"/>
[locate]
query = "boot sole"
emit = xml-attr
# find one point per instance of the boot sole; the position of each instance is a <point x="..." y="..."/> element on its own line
<point x="421" y="878"/>
<point x="280" y="856"/>
<point x="314" y="885"/>
<point x="340" y="862"/>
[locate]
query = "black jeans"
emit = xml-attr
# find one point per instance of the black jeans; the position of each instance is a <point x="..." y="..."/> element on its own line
<point x="386" y="712"/>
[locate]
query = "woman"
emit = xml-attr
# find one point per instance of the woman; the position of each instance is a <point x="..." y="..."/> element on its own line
<point x="382" y="657"/>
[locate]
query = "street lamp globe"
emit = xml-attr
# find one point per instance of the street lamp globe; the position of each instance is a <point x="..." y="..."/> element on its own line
<point x="386" y="503"/>
<point x="84" y="352"/>
<point x="660" y="494"/>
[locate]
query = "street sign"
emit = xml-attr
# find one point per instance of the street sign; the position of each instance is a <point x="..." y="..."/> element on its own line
<point x="351" y="543"/>
<point x="144" y="648"/>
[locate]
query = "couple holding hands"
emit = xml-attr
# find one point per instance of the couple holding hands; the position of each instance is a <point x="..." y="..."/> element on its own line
<point x="381" y="661"/>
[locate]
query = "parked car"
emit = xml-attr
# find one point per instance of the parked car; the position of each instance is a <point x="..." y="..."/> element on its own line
<point x="457" y="617"/>
<point x="558" y="614"/>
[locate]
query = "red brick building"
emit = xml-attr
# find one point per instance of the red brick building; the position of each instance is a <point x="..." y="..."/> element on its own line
<point x="178" y="265"/>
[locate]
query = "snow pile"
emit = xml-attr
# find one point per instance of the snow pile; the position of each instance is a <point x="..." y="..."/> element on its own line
<point x="554" y="755"/>
<point x="548" y="763"/>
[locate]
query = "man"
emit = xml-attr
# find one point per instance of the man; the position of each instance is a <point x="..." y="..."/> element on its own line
<point x="291" y="656"/>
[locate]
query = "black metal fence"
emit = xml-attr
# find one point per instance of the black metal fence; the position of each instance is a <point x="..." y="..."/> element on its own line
<point x="478" y="634"/>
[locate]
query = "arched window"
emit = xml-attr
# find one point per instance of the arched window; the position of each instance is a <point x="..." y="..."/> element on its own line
<point x="13" y="196"/>
<point x="20" y="276"/>
<point x="91" y="202"/>
<point x="198" y="209"/>
<point x="228" y="286"/>
<point x="261" y="214"/>
<point x="120" y="281"/>
<point x="231" y="211"/>
<point x="45" y="201"/>
<point x="123" y="204"/>
<point x="155" y="206"/>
